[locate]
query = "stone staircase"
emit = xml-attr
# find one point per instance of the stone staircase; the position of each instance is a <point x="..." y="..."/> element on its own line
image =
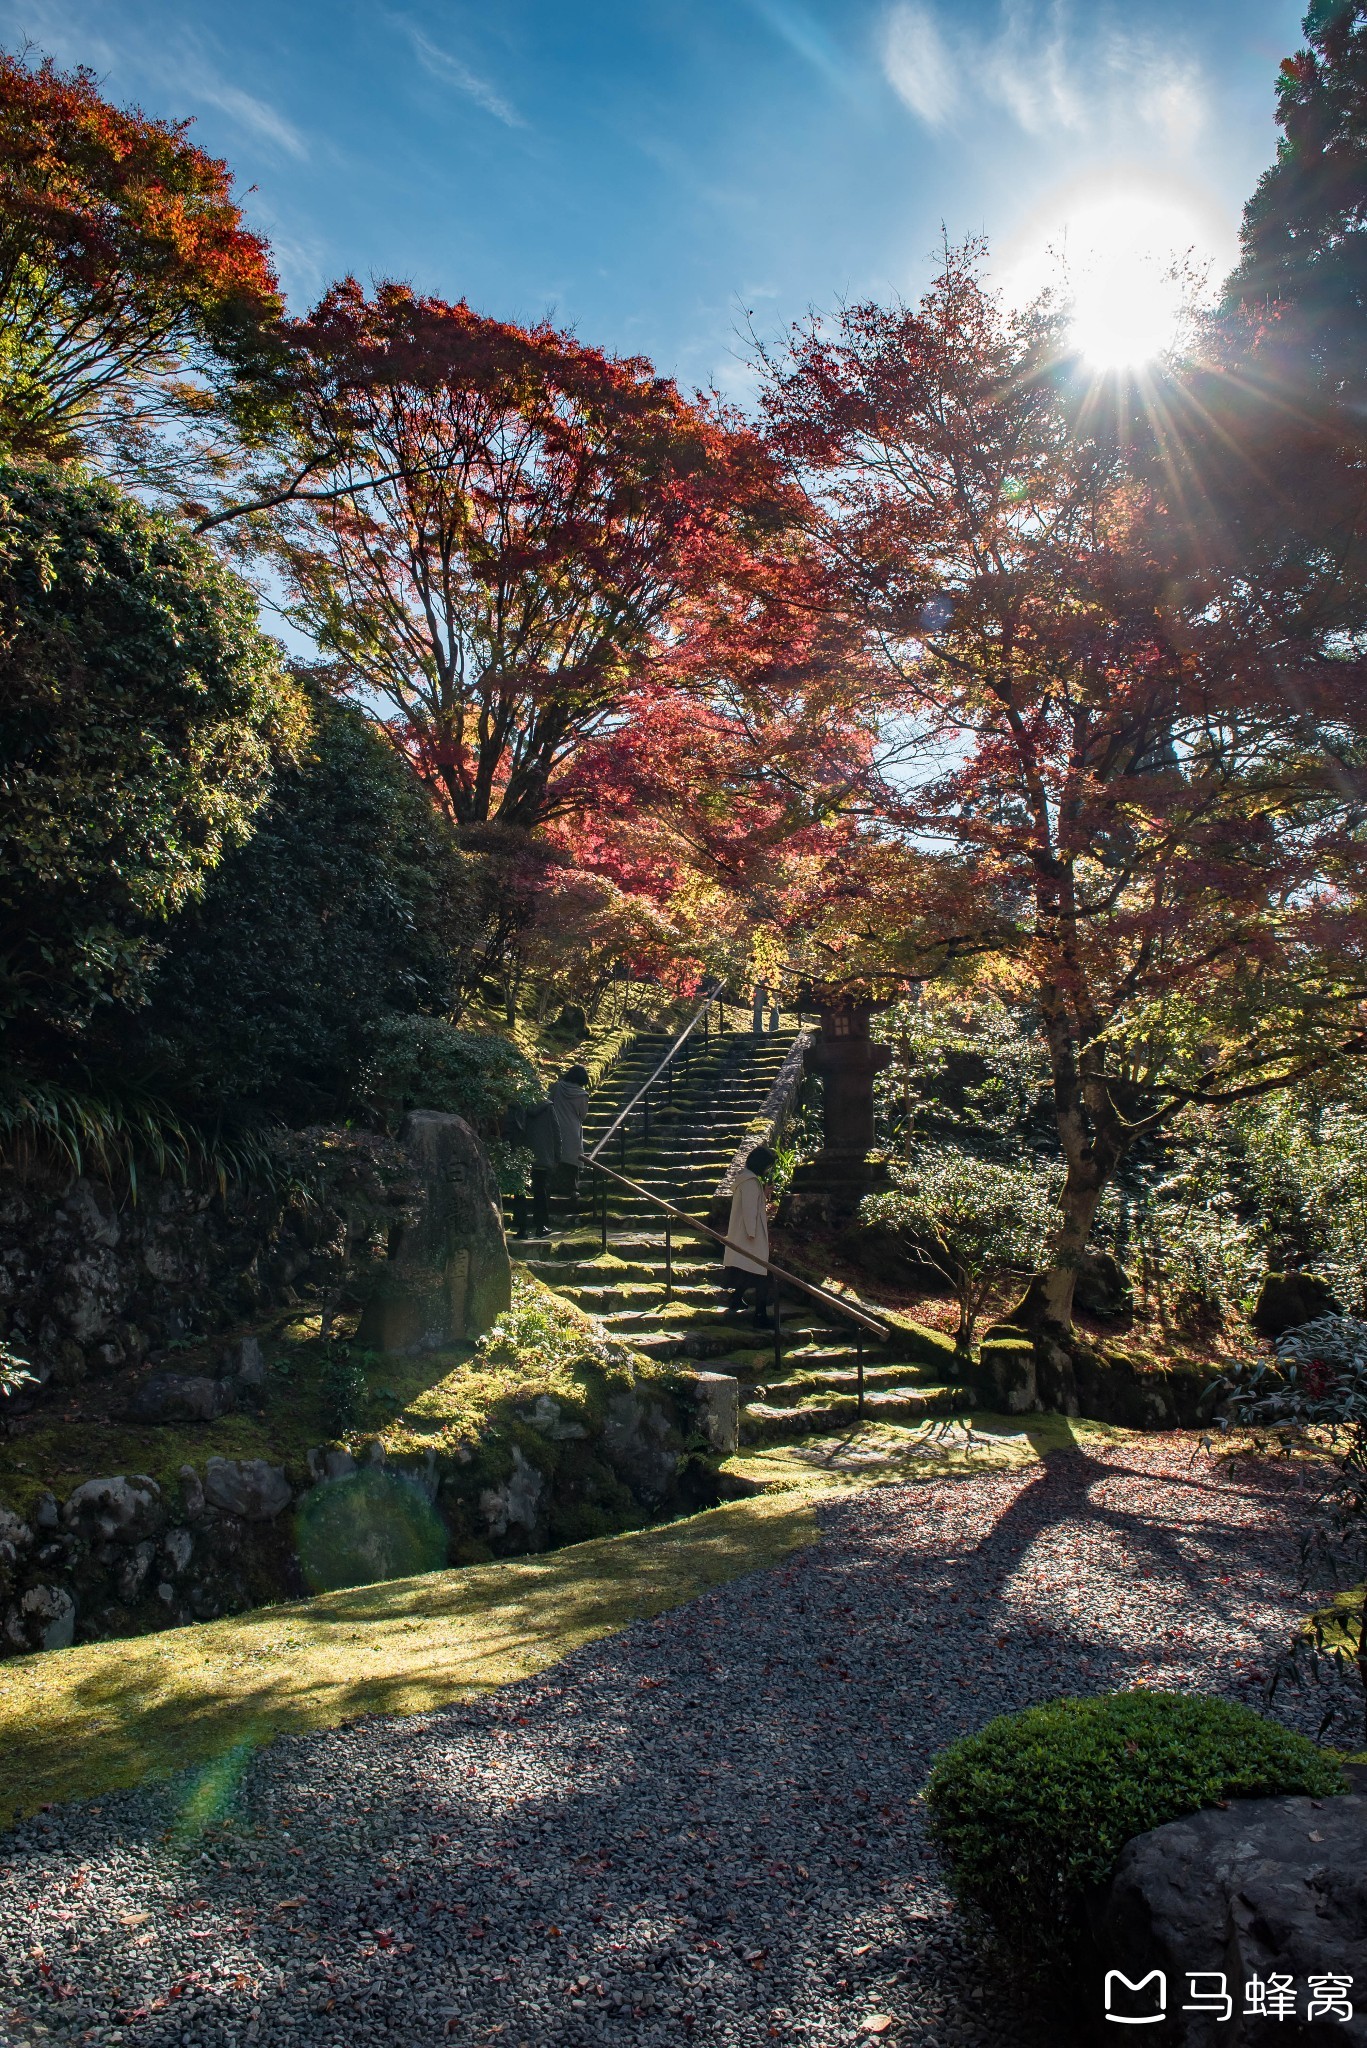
<point x="667" y="1300"/>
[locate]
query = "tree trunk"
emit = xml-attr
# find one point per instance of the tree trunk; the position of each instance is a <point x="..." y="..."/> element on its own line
<point x="1049" y="1297"/>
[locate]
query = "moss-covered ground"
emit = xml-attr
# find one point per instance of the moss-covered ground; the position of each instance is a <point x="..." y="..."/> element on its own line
<point x="966" y="1444"/>
<point x="80" y="1722"/>
<point x="76" y="1723"/>
<point x="330" y="1394"/>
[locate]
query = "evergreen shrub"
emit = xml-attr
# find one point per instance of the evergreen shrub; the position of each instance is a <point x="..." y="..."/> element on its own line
<point x="428" y="1063"/>
<point x="1032" y="1812"/>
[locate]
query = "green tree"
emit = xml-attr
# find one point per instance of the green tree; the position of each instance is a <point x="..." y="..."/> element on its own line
<point x="1304" y="237"/>
<point x="979" y="1224"/>
<point x="349" y="904"/>
<point x="141" y="713"/>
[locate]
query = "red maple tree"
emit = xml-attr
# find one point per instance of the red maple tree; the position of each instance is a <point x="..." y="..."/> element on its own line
<point x="124" y="265"/>
<point x="493" y="532"/>
<point x="1139" y="833"/>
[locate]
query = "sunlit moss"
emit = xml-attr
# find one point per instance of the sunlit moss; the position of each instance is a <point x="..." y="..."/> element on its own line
<point x="74" y="1723"/>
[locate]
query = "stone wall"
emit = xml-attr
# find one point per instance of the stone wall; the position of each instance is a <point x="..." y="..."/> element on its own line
<point x="94" y="1277"/>
<point x="122" y="1555"/>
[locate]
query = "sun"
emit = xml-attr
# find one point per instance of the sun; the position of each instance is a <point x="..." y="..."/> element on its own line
<point x="1127" y="260"/>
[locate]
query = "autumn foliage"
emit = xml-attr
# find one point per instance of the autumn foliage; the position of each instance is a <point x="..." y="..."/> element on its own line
<point x="492" y="531"/>
<point x="123" y="260"/>
<point x="1140" y="829"/>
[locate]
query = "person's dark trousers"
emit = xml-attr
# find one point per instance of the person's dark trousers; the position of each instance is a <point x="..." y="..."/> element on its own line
<point x="541" y="1200"/>
<point x="741" y="1284"/>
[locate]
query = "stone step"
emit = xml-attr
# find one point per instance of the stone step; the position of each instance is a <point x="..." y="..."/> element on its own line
<point x="767" y="1422"/>
<point x="805" y="1387"/>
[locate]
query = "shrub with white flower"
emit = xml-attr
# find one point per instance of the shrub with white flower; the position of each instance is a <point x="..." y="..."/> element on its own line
<point x="14" y="1372"/>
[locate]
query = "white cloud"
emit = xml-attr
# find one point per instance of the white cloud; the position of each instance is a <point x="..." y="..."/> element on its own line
<point x="245" y="109"/>
<point x="1050" y="71"/>
<point x="442" y="64"/>
<point x="918" y="64"/>
<point x="180" y="65"/>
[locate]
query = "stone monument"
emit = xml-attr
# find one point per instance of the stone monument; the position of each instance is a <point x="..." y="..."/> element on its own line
<point x="448" y="1277"/>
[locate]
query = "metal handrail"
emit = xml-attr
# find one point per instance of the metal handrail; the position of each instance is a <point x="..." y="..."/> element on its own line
<point x="883" y="1331"/>
<point x="646" y="1086"/>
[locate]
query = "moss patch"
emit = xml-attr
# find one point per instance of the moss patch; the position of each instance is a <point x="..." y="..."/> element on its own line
<point x="74" y="1723"/>
<point x="411" y="1405"/>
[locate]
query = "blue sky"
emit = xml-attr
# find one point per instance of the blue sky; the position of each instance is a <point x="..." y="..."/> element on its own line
<point x="650" y="173"/>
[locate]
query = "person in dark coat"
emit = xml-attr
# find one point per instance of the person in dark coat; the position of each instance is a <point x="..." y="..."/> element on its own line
<point x="570" y="1103"/>
<point x="534" y="1127"/>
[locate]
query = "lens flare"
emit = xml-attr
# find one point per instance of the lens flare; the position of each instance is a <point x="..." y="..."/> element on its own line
<point x="1128" y="262"/>
<point x="1129" y="258"/>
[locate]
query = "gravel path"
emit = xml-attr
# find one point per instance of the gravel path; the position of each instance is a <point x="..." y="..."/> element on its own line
<point x="703" y="1830"/>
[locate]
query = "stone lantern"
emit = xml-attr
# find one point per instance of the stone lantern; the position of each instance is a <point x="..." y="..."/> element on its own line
<point x="830" y="1188"/>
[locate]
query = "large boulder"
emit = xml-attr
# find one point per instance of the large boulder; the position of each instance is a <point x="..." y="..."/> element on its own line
<point x="1263" y="1889"/>
<point x="247" y="1487"/>
<point x="517" y="1500"/>
<point x="642" y="1446"/>
<point x="43" y="1618"/>
<point x="449" y="1277"/>
<point x="717" y="1395"/>
<point x="116" y="1510"/>
<point x="1102" y="1287"/>
<point x="1286" y="1300"/>
<point x="180" y="1397"/>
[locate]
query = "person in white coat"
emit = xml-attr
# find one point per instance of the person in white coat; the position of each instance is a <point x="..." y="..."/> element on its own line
<point x="747" y="1235"/>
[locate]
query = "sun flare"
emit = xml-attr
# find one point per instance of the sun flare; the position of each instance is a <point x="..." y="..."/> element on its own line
<point x="1125" y="259"/>
<point x="1128" y="260"/>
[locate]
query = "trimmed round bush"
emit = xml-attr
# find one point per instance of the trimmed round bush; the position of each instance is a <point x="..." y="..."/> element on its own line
<point x="1032" y="1812"/>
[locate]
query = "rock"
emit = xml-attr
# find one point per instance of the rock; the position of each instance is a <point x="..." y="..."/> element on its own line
<point x="1102" y="1287"/>
<point x="177" y="1550"/>
<point x="44" y="1618"/>
<point x="548" y="1419"/>
<point x="66" y="1363"/>
<point x="1288" y="1299"/>
<point x="375" y="1525"/>
<point x="338" y="1465"/>
<point x="517" y="1500"/>
<point x="192" y="1491"/>
<point x="245" y="1362"/>
<point x="247" y="1487"/>
<point x="15" y="1535"/>
<point x="1265" y="1887"/>
<point x="92" y="1215"/>
<point x="718" y="1398"/>
<point x="118" y="1510"/>
<point x="173" y="1397"/>
<point x="641" y="1446"/>
<point x="133" y="1572"/>
<point x="45" y="1515"/>
<point x="448" y="1278"/>
<point x="1006" y="1373"/>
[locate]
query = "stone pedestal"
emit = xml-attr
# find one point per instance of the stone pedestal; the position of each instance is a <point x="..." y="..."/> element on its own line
<point x="830" y="1188"/>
